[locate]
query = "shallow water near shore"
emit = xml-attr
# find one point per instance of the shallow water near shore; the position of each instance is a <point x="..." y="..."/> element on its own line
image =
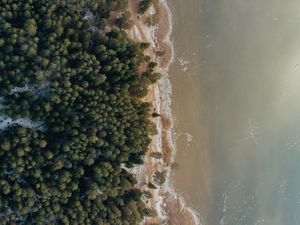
<point x="236" y="91"/>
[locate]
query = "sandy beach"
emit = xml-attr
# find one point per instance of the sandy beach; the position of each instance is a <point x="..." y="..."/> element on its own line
<point x="169" y="206"/>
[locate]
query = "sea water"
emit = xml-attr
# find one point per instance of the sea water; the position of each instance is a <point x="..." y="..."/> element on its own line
<point x="236" y="104"/>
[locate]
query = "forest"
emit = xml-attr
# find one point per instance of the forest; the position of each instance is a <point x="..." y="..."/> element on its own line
<point x="67" y="66"/>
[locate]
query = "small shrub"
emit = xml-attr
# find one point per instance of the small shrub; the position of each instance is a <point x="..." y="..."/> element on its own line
<point x="144" y="6"/>
<point x="160" y="53"/>
<point x="153" y="19"/>
<point x="147" y="194"/>
<point x="156" y="155"/>
<point x="151" y="186"/>
<point x="159" y="177"/>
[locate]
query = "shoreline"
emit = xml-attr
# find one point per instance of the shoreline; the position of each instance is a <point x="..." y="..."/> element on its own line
<point x="170" y="206"/>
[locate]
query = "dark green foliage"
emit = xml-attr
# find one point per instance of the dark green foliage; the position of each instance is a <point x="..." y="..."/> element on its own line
<point x="124" y="21"/>
<point x="151" y="186"/>
<point x="155" y="114"/>
<point x="152" y="65"/>
<point x="144" y="5"/>
<point x="155" y="77"/>
<point x="145" y="45"/>
<point x="160" y="53"/>
<point x="148" y="194"/>
<point x="151" y="213"/>
<point x="85" y="89"/>
<point x="147" y="58"/>
<point x="159" y="177"/>
<point x="156" y="155"/>
<point x="153" y="20"/>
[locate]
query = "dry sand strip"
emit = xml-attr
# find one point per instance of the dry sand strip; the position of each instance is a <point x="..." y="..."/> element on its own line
<point x="169" y="206"/>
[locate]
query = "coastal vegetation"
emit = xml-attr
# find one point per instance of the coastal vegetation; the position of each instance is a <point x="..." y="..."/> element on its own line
<point x="153" y="19"/>
<point x="156" y="155"/>
<point x="160" y="53"/>
<point x="144" y="5"/>
<point x="155" y="114"/>
<point x="124" y="21"/>
<point x="151" y="186"/>
<point x="64" y="66"/>
<point x="159" y="178"/>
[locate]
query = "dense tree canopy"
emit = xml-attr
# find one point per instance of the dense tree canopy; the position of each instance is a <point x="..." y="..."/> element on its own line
<point x="83" y="85"/>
